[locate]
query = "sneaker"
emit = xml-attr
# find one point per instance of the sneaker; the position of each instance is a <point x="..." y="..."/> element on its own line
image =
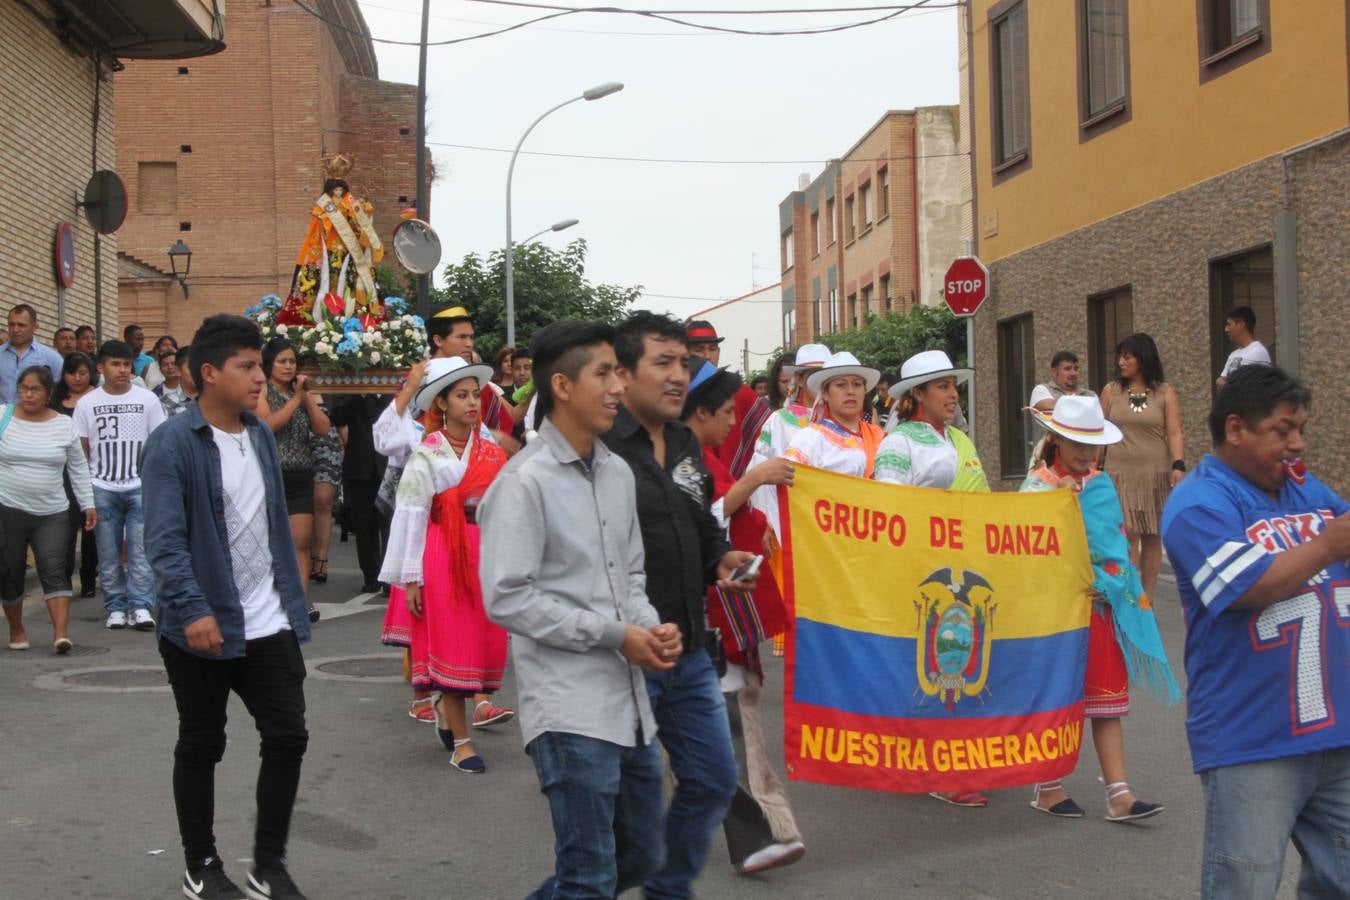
<point x="88" y="590"/>
<point x="141" y="620"/>
<point x="272" y="883"/>
<point x="772" y="856"/>
<point x="210" y="882"/>
<point x="313" y="612"/>
<point x="116" y="620"/>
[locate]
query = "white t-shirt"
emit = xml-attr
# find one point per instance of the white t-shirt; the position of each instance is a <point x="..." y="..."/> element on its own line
<point x="245" y="498"/>
<point x="1253" y="354"/>
<point x="1042" y="392"/>
<point x="116" y="426"/>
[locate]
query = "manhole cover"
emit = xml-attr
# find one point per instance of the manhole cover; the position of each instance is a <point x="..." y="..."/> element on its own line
<point x="85" y="650"/>
<point x="365" y="666"/>
<point x="119" y="678"/>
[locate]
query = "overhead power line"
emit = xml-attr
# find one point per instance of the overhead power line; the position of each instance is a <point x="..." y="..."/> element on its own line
<point x="695" y="162"/>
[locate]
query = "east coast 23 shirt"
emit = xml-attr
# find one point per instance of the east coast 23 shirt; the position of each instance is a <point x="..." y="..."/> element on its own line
<point x="1263" y="683"/>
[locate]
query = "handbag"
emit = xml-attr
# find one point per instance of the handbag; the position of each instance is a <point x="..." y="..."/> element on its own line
<point x="5" y="417"/>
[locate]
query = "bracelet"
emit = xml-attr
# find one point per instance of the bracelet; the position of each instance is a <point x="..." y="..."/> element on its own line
<point x="1178" y="465"/>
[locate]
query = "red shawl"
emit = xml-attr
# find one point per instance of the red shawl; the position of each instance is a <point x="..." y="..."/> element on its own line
<point x="752" y="411"/>
<point x="485" y="461"/>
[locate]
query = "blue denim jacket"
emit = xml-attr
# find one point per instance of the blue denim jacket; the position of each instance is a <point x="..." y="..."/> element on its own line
<point x="186" y="540"/>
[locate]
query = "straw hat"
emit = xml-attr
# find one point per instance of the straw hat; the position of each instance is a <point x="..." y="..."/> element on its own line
<point x="809" y="356"/>
<point x="1079" y="419"/>
<point x="443" y="372"/>
<point x="921" y="368"/>
<point x="838" y="365"/>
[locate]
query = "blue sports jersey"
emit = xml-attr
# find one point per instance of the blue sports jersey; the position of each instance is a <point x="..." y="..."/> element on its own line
<point x="1263" y="684"/>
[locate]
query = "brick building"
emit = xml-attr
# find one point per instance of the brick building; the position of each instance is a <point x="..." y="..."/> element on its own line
<point x="224" y="154"/>
<point x="875" y="231"/>
<point x="1195" y="163"/>
<point x="58" y="125"/>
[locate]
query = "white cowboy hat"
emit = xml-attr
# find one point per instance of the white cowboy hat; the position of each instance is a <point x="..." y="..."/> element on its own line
<point x="809" y="356"/>
<point x="843" y="363"/>
<point x="443" y="372"/>
<point x="921" y="368"/>
<point x="1080" y="420"/>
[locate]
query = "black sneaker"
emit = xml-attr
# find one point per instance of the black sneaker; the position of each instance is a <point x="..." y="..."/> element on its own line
<point x="210" y="882"/>
<point x="272" y="883"/>
<point x="313" y="612"/>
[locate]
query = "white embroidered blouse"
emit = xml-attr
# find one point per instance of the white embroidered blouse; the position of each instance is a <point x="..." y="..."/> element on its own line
<point x="916" y="453"/>
<point x="432" y="468"/>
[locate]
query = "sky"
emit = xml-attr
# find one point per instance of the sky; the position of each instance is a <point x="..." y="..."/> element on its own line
<point x="690" y="234"/>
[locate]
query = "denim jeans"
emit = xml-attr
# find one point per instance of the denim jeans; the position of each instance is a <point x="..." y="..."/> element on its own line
<point x="119" y="517"/>
<point x="691" y="720"/>
<point x="605" y="801"/>
<point x="1252" y="811"/>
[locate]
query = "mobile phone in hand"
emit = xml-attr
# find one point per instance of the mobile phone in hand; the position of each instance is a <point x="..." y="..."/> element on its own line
<point x="748" y="570"/>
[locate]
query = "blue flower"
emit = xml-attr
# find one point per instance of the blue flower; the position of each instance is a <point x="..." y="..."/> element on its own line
<point x="395" y="305"/>
<point x="253" y="310"/>
<point x="348" y="346"/>
<point x="418" y="323"/>
<point x="271" y="301"/>
<point x="352" y="326"/>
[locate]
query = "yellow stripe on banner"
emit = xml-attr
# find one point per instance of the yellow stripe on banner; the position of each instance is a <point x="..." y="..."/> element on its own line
<point x="862" y="552"/>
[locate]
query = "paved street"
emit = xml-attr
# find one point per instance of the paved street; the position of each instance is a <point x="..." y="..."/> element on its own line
<point x="87" y="810"/>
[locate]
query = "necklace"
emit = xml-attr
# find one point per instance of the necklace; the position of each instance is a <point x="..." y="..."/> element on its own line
<point x="238" y="440"/>
<point x="1138" y="402"/>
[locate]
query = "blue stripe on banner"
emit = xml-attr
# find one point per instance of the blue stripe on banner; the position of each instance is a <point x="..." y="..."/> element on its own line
<point x="874" y="675"/>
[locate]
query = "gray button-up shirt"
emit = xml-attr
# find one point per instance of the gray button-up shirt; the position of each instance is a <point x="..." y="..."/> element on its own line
<point x="12" y="365"/>
<point x="561" y="568"/>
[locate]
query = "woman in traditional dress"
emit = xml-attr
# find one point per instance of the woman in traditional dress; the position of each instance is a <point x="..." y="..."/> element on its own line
<point x="1151" y="459"/>
<point x="838" y="439"/>
<point x="760" y="829"/>
<point x="1124" y="645"/>
<point x="924" y="449"/>
<point x="433" y="553"/>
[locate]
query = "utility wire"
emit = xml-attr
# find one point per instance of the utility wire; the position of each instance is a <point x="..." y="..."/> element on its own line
<point x="696" y="162"/>
<point x="333" y="23"/>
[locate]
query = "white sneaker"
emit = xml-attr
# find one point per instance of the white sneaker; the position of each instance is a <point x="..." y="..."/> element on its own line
<point x="772" y="856"/>
<point x="141" y="620"/>
<point x="116" y="620"/>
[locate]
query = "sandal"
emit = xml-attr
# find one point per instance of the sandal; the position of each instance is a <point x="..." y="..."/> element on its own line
<point x="423" y="709"/>
<point x="318" y="569"/>
<point x="1138" y="809"/>
<point x="471" y="765"/>
<point x="62" y="646"/>
<point x="1064" y="809"/>
<point x="492" y="716"/>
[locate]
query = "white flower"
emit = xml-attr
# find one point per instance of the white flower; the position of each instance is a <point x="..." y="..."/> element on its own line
<point x="407" y="332"/>
<point x="374" y="357"/>
<point x="322" y="347"/>
<point x="281" y="329"/>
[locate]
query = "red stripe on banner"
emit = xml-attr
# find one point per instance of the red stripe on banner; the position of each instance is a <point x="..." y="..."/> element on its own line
<point x="788" y="584"/>
<point x="912" y="756"/>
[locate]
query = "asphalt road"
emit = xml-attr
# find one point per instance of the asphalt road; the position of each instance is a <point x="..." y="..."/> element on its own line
<point x="86" y="809"/>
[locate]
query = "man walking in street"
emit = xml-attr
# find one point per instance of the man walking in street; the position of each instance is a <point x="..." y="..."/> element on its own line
<point x="686" y="551"/>
<point x="134" y="336"/>
<point x="1260" y="549"/>
<point x="231" y="604"/>
<point x="113" y="421"/>
<point x="22" y="350"/>
<point x="562" y="570"/>
<point x="1239" y="323"/>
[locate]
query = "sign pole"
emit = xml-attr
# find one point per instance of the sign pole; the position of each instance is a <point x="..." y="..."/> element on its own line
<point x="970" y="385"/>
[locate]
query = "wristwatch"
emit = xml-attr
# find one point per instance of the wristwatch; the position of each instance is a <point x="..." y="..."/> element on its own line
<point x="1178" y="465"/>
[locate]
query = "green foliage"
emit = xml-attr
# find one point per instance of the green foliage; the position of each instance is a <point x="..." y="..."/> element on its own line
<point x="549" y="285"/>
<point x="397" y="284"/>
<point x="884" y="342"/>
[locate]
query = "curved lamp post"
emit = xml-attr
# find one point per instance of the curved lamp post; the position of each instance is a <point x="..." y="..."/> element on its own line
<point x="595" y="93"/>
<point x="556" y="226"/>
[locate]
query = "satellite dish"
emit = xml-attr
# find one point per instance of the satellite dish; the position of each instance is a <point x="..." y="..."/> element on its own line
<point x="105" y="201"/>
<point x="417" y="246"/>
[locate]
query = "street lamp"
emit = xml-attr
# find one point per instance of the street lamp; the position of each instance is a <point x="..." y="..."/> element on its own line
<point x="556" y="226"/>
<point x="180" y="255"/>
<point x="595" y="93"/>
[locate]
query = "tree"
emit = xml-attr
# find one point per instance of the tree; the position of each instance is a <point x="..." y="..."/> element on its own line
<point x="885" y="342"/>
<point x="549" y="285"/>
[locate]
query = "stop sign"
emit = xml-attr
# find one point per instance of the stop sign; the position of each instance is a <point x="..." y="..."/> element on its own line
<point x="965" y="286"/>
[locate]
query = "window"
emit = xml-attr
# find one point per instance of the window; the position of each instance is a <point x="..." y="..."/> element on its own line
<point x="885" y="291"/>
<point x="787" y="250"/>
<point x="1232" y="32"/>
<point x="1247" y="279"/>
<point x="789" y="328"/>
<point x="850" y="228"/>
<point x="815" y="314"/>
<point x="1110" y="318"/>
<point x="1016" y="377"/>
<point x="815" y="234"/>
<point x="157" y="188"/>
<point x="852" y="320"/>
<point x="1011" y="107"/>
<point x="866" y="306"/>
<point x="883" y="194"/>
<point x="1103" y="60"/>
<point x="834" y="309"/>
<point x="829" y="222"/>
<point x="865" y="201"/>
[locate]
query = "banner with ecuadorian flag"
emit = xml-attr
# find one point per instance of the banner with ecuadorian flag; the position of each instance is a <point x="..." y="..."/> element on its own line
<point x="940" y="638"/>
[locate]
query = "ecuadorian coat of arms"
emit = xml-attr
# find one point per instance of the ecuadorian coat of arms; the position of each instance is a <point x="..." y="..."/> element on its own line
<point x="956" y="617"/>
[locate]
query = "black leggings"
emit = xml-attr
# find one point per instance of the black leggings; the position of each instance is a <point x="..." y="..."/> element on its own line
<point x="48" y="536"/>
<point x="270" y="679"/>
<point x="88" y="549"/>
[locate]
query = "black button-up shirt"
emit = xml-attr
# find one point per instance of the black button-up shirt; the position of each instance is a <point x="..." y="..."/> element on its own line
<point x="682" y="540"/>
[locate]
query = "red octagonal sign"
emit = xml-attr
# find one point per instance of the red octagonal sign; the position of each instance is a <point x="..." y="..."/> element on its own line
<point x="966" y="286"/>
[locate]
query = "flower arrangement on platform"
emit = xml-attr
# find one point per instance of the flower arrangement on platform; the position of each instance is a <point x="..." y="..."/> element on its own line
<point x="393" y="339"/>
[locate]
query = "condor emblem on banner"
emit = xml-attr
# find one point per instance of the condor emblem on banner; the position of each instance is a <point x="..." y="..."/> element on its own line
<point x="955" y="620"/>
